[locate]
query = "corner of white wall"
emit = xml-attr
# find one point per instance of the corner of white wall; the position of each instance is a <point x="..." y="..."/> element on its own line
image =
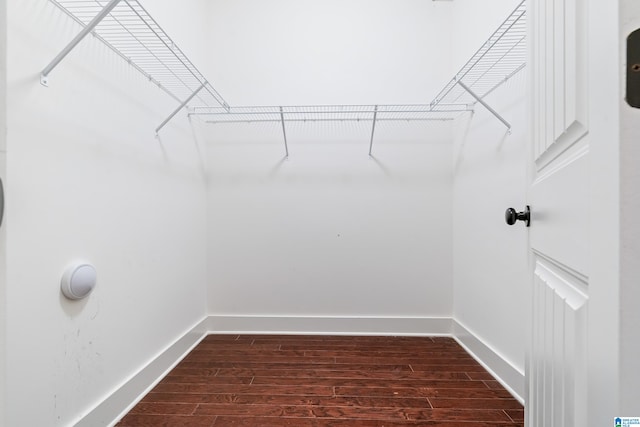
<point x="489" y="165"/>
<point x="510" y="376"/>
<point x="118" y="402"/>
<point x="88" y="179"/>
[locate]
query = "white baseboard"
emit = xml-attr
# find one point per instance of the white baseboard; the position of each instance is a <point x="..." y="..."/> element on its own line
<point x="125" y="397"/>
<point x="508" y="375"/>
<point x="432" y="326"/>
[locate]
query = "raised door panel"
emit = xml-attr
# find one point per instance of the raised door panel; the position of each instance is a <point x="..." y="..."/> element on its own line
<point x="560" y="77"/>
<point x="560" y="204"/>
<point x="559" y="182"/>
<point x="559" y="348"/>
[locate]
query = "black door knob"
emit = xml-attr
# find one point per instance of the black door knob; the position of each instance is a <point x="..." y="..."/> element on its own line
<point x="511" y="216"/>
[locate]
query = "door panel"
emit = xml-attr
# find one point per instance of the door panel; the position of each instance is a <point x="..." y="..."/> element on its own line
<point x="559" y="199"/>
<point x="559" y="342"/>
<point x="560" y="61"/>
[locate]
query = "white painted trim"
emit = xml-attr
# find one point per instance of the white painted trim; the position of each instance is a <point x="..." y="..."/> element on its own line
<point x="502" y="370"/>
<point x="129" y="394"/>
<point x="118" y="403"/>
<point x="319" y="325"/>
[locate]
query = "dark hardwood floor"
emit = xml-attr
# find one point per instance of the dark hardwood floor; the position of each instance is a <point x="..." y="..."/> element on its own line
<point x="327" y="381"/>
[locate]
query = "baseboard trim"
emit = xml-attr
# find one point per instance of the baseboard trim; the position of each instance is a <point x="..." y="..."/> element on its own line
<point x="417" y="326"/>
<point x="109" y="411"/>
<point x="129" y="394"/>
<point x="508" y="375"/>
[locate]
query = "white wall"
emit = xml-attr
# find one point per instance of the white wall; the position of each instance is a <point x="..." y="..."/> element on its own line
<point x="490" y="258"/>
<point x="473" y="23"/>
<point x="3" y="242"/>
<point x="282" y="52"/>
<point x="330" y="232"/>
<point x="87" y="178"/>
<point x="187" y="23"/>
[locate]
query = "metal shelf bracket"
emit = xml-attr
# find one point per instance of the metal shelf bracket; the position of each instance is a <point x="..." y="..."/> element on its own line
<point x="44" y="76"/>
<point x="130" y="31"/>
<point x="500" y="58"/>
<point x="284" y="133"/>
<point x="485" y="105"/>
<point x="186" y="101"/>
<point x="373" y="128"/>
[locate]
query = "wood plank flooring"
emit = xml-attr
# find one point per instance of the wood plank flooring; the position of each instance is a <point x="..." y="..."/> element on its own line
<point x="327" y="381"/>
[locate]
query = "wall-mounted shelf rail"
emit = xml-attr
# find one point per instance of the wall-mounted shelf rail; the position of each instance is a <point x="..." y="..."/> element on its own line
<point x="501" y="57"/>
<point x="342" y="113"/>
<point x="330" y="113"/>
<point x="128" y="29"/>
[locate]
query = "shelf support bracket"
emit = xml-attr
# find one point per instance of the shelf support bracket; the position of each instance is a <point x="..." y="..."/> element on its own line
<point x="44" y="76"/>
<point x="284" y="133"/>
<point x="373" y="128"/>
<point x="186" y="101"/>
<point x="484" y="104"/>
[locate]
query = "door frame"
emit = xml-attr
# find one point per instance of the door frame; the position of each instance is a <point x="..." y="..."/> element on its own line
<point x="629" y="395"/>
<point x="3" y="233"/>
<point x="610" y="370"/>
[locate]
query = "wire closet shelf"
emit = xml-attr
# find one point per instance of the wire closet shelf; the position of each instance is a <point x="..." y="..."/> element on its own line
<point x="342" y="113"/>
<point x="129" y="30"/>
<point x="501" y="57"/>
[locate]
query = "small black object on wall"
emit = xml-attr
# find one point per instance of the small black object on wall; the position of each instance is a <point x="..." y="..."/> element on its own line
<point x="633" y="69"/>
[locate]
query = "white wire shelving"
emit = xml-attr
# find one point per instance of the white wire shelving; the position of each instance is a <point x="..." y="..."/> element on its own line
<point x="501" y="57"/>
<point x="330" y="113"/>
<point x="127" y="28"/>
<point x="130" y="31"/>
<point x="343" y="113"/>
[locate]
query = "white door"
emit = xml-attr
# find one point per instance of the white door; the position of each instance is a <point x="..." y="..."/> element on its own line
<point x="559" y="238"/>
<point x="573" y="374"/>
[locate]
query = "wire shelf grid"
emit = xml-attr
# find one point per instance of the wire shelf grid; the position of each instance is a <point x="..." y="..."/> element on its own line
<point x="342" y="113"/>
<point x="127" y="28"/>
<point x="502" y="56"/>
<point x="130" y="31"/>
